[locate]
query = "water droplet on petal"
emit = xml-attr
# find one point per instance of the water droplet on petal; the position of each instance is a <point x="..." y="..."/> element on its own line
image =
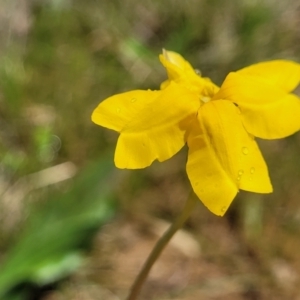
<point x="198" y="72"/>
<point x="252" y="170"/>
<point x="250" y="178"/>
<point x="133" y="100"/>
<point x="239" y="178"/>
<point x="241" y="172"/>
<point x="223" y="209"/>
<point x="118" y="109"/>
<point x="245" y="150"/>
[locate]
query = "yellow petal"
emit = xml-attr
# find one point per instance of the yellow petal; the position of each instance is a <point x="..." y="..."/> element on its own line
<point x="176" y="65"/>
<point x="236" y="150"/>
<point x="117" y="111"/>
<point x="156" y="131"/>
<point x="268" y="112"/>
<point x="246" y="89"/>
<point x="139" y="149"/>
<point x="209" y="180"/>
<point x="272" y="120"/>
<point x="180" y="71"/>
<point x="280" y="73"/>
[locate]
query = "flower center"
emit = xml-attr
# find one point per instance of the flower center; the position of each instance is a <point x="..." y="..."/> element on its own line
<point x="207" y="93"/>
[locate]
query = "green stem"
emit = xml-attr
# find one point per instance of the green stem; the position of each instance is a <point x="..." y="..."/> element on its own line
<point x="160" y="245"/>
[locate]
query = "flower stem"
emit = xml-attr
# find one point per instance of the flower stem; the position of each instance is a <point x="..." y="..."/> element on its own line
<point x="160" y="245"/>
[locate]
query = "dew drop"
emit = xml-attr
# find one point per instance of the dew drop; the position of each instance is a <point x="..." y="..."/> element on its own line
<point x="118" y="109"/>
<point x="223" y="209"/>
<point x="198" y="72"/>
<point x="250" y="178"/>
<point x="252" y="170"/>
<point x="245" y="150"/>
<point x="133" y="100"/>
<point x="241" y="172"/>
<point x="239" y="178"/>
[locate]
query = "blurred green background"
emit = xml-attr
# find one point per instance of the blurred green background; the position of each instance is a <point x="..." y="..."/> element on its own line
<point x="74" y="227"/>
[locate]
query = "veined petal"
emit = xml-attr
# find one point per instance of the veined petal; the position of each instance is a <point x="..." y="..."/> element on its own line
<point x="214" y="187"/>
<point x="246" y="89"/>
<point x="236" y="150"/>
<point x="156" y="131"/>
<point x="139" y="149"/>
<point x="280" y="73"/>
<point x="272" y="120"/>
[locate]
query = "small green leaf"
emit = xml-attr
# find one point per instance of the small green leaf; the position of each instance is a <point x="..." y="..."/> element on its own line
<point x="60" y="228"/>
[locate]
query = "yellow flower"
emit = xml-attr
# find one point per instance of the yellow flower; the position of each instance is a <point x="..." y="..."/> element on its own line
<point x="218" y="124"/>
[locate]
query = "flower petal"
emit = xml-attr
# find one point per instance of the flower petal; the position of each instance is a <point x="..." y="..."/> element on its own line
<point x="208" y="178"/>
<point x="280" y="73"/>
<point x="180" y="71"/>
<point x="246" y="89"/>
<point x="234" y="149"/>
<point x="117" y="111"/>
<point x="139" y="149"/>
<point x="273" y="120"/>
<point x="268" y="112"/>
<point x="176" y="65"/>
<point x="156" y="129"/>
